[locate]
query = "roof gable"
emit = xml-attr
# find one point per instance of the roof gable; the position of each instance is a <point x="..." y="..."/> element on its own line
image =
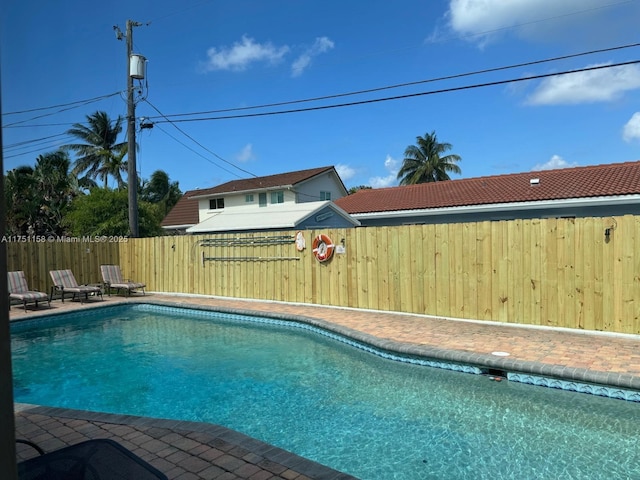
<point x="579" y="182"/>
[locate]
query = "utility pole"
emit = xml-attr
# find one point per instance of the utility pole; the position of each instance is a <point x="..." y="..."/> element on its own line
<point x="132" y="173"/>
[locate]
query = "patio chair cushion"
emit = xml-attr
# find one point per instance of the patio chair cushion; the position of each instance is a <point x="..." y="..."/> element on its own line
<point x="112" y="277"/>
<point x="19" y="290"/>
<point x="64" y="281"/>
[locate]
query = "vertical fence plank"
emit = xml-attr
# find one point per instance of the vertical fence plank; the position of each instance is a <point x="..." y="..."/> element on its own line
<point x="429" y="257"/>
<point x="635" y="305"/>
<point x="470" y="271"/>
<point x="624" y="237"/>
<point x="485" y="266"/>
<point x="499" y="272"/>
<point x="609" y="269"/>
<point x="516" y="259"/>
<point x="416" y="283"/>
<point x="562" y="274"/>
<point x="456" y="267"/>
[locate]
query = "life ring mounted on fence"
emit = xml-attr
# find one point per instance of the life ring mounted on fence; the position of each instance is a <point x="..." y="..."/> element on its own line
<point x="323" y="248"/>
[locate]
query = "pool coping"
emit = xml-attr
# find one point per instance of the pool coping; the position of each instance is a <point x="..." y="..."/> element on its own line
<point x="611" y="384"/>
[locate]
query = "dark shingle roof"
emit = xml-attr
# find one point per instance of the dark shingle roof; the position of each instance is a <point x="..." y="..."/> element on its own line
<point x="185" y="212"/>
<point x="580" y="182"/>
<point x="260" y="183"/>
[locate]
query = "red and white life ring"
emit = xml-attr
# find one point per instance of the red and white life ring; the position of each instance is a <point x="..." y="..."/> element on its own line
<point x="322" y="248"/>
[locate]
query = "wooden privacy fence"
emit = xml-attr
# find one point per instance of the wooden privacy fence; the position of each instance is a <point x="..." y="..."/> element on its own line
<point x="558" y="272"/>
<point x="555" y="272"/>
<point x="82" y="255"/>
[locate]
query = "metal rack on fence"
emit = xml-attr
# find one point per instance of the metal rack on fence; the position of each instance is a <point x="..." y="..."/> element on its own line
<point x="263" y="241"/>
<point x="245" y="259"/>
<point x="247" y="241"/>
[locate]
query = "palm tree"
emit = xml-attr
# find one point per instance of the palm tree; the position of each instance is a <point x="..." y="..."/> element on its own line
<point x="160" y="190"/>
<point x="56" y="187"/>
<point x="100" y="156"/>
<point x="424" y="162"/>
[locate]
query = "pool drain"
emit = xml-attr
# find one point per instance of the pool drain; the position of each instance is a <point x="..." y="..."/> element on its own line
<point x="495" y="374"/>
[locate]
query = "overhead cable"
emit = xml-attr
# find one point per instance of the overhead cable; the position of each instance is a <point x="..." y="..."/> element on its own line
<point x="400" y="97"/>
<point x="200" y="145"/>
<point x="70" y="107"/>
<point x="101" y="97"/>
<point x="408" y="84"/>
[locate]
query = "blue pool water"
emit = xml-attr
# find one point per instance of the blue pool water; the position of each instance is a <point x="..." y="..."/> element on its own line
<point x="320" y="398"/>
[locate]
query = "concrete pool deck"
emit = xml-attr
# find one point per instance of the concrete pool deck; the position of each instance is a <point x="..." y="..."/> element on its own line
<point x="184" y="450"/>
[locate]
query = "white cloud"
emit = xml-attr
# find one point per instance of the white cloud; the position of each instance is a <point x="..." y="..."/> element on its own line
<point x="555" y="162"/>
<point x="484" y="18"/>
<point x="241" y="54"/>
<point x="631" y="130"/>
<point x="321" y="45"/>
<point x="345" y="172"/>
<point x="391" y="165"/>
<point x="246" y="154"/>
<point x="585" y="87"/>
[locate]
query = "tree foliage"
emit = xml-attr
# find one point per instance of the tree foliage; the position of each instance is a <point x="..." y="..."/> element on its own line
<point x="161" y="191"/>
<point x="21" y="204"/>
<point x="353" y="190"/>
<point x="100" y="155"/>
<point x="106" y="212"/>
<point x="425" y="162"/>
<point x="37" y="198"/>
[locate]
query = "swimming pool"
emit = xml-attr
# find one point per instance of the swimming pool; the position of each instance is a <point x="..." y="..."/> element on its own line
<point x="320" y="398"/>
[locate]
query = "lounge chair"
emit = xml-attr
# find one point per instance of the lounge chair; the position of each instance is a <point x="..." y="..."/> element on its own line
<point x="65" y="282"/>
<point x="96" y="459"/>
<point x="19" y="290"/>
<point x="112" y="278"/>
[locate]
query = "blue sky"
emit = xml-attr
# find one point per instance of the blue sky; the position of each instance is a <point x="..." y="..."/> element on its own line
<point x="206" y="56"/>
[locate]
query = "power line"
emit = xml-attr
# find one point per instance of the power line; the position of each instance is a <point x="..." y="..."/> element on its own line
<point x="33" y="141"/>
<point x="199" y="144"/>
<point x="41" y="125"/>
<point x="61" y="105"/>
<point x="208" y="159"/>
<point x="75" y="105"/>
<point x="196" y="152"/>
<point x="37" y="150"/>
<point x="400" y="97"/>
<point x="407" y="84"/>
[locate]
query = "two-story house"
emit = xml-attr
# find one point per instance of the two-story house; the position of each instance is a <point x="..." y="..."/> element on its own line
<point x="286" y="201"/>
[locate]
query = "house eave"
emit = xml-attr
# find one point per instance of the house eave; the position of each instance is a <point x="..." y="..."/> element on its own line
<point x="177" y="227"/>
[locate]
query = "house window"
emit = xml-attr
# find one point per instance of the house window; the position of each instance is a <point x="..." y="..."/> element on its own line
<point x="325" y="195"/>
<point x="216" y="203"/>
<point x="248" y="198"/>
<point x="262" y="199"/>
<point x="277" y="197"/>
